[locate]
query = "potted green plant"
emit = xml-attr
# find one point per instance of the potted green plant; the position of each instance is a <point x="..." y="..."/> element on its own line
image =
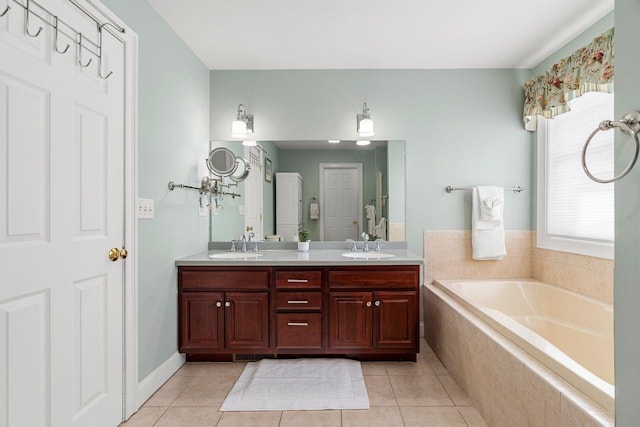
<point x="304" y="238"/>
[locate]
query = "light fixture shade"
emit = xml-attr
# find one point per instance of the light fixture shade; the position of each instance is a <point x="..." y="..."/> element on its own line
<point x="238" y="129"/>
<point x="250" y="143"/>
<point x="363" y="142"/>
<point x="364" y="124"/>
<point x="365" y="128"/>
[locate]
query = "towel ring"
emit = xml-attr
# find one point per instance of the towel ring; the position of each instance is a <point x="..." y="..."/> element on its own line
<point x="629" y="124"/>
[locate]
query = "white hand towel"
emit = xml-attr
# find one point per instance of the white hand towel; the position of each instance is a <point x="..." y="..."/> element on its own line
<point x="370" y="211"/>
<point x="314" y="210"/>
<point x="487" y="236"/>
<point x="491" y="200"/>
<point x="381" y="229"/>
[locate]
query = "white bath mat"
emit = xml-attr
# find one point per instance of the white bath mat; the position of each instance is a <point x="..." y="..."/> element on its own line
<point x="298" y="384"/>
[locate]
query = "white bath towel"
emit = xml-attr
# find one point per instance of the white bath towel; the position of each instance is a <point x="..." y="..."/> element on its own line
<point x="491" y="199"/>
<point x="487" y="236"/>
<point x="314" y="210"/>
<point x="370" y="211"/>
<point x="381" y="229"/>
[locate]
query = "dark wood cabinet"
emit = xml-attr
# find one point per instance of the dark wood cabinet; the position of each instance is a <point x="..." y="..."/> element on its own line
<point x="367" y="312"/>
<point x="223" y="310"/>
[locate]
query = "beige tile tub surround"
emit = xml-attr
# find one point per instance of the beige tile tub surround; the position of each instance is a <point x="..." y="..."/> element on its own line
<point x="448" y="256"/>
<point x="578" y="273"/>
<point x="506" y="385"/>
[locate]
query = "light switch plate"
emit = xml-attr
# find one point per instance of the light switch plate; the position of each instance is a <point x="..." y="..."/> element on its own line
<point x="145" y="209"/>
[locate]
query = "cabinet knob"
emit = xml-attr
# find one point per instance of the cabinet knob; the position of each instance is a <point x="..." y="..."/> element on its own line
<point x="227" y="304"/>
<point x="368" y="303"/>
<point x="377" y="303"/>
<point x="219" y="304"/>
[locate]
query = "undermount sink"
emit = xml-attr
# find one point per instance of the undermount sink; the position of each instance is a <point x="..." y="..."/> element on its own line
<point x="367" y="255"/>
<point x="236" y="255"/>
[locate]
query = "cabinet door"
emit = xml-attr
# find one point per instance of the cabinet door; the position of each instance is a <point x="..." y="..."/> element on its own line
<point x="201" y="321"/>
<point x="350" y="320"/>
<point x="395" y="318"/>
<point x="247" y="319"/>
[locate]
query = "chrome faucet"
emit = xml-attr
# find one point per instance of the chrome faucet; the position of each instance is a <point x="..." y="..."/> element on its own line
<point x="353" y="245"/>
<point x="377" y="241"/>
<point x="244" y="243"/>
<point x="365" y="240"/>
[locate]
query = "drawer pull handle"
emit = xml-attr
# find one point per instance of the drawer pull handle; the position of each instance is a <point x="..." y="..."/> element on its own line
<point x="298" y="324"/>
<point x="297" y="281"/>
<point x="298" y="302"/>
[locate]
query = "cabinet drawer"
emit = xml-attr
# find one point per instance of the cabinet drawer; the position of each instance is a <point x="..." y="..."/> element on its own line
<point x="298" y="279"/>
<point x="299" y="330"/>
<point x="378" y="279"/>
<point x="299" y="300"/>
<point x="198" y="280"/>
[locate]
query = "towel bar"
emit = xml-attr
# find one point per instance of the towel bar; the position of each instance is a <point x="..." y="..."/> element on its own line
<point x="451" y="188"/>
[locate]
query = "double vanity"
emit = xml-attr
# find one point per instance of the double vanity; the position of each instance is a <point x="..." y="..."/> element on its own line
<point x="289" y="303"/>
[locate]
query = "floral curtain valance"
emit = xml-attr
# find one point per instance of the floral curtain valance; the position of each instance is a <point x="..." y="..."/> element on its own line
<point x="589" y="69"/>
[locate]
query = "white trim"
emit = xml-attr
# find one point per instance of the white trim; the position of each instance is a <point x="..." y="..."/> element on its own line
<point x="322" y="168"/>
<point x="543" y="239"/>
<point x="152" y="382"/>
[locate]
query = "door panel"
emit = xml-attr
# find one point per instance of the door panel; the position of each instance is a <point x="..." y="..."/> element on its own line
<point x="396" y="318"/>
<point x="341" y="199"/>
<point x="350" y="320"/>
<point x="202" y="321"/>
<point x="247" y="319"/>
<point x="61" y="210"/>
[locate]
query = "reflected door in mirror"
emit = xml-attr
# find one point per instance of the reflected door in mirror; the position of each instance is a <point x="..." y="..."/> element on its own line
<point x="342" y="200"/>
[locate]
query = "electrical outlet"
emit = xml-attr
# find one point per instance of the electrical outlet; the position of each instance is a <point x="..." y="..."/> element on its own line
<point x="202" y="211"/>
<point x="145" y="209"/>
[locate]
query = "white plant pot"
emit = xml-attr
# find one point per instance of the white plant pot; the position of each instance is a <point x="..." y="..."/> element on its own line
<point x="304" y="246"/>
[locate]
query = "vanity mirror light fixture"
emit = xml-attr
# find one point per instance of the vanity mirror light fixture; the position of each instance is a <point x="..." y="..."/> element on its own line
<point x="243" y="124"/>
<point x="364" y="123"/>
<point x="363" y="142"/>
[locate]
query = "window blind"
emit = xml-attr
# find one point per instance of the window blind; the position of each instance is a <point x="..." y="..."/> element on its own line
<point x="578" y="208"/>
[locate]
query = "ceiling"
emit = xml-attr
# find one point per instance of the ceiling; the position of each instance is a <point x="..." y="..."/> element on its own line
<point x="377" y="34"/>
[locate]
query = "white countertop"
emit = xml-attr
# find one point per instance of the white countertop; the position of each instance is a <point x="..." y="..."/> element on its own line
<point x="317" y="257"/>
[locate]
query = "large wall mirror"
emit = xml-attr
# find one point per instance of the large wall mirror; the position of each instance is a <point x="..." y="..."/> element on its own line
<point x="362" y="186"/>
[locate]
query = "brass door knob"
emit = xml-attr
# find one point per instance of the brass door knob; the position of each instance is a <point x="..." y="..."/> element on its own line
<point x="116" y="254"/>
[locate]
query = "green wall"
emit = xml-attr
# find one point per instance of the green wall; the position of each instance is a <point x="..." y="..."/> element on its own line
<point x="459" y="127"/>
<point x="627" y="268"/>
<point x="173" y="132"/>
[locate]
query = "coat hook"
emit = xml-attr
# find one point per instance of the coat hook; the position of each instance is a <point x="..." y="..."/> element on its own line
<point x="5" y="11"/>
<point x="55" y="37"/>
<point x="26" y="22"/>
<point x="80" y="54"/>
<point x="100" y="56"/>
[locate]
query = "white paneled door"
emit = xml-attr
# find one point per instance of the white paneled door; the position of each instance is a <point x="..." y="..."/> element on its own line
<point x="341" y="201"/>
<point x="61" y="210"/>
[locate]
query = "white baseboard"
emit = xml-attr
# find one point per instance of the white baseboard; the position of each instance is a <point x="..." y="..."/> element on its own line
<point x="152" y="382"/>
<point x="421" y="329"/>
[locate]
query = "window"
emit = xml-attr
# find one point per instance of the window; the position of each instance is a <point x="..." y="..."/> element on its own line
<point x="576" y="214"/>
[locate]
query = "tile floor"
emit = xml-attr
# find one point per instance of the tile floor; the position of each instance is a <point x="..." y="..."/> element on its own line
<point x="400" y="394"/>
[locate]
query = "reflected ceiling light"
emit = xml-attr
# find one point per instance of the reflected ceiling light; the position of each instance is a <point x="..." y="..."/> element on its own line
<point x="364" y="123"/>
<point x="250" y="143"/>
<point x="334" y="141"/>
<point x="363" y="142"/>
<point x="243" y="124"/>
